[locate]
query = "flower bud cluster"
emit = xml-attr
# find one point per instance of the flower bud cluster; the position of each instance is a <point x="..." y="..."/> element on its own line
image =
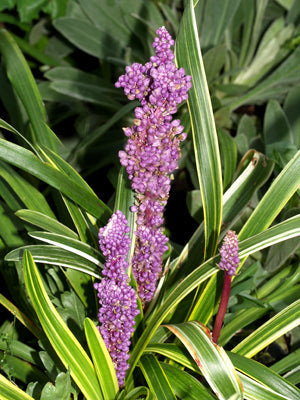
<point x="152" y="152"/>
<point x="118" y="300"/>
<point x="230" y="253"/>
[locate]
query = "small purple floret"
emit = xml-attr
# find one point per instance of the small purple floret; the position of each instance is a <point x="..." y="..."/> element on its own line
<point x="152" y="152"/>
<point x="118" y="300"/>
<point x="230" y="253"/>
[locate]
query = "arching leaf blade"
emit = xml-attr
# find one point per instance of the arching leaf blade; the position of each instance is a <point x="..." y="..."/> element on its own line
<point x="206" y="148"/>
<point x="156" y="378"/>
<point x="19" y="315"/>
<point x="61" y="338"/>
<point x="72" y="245"/>
<point x="210" y="358"/>
<point x="23" y="81"/>
<point x="264" y="376"/>
<point x="27" y="161"/>
<point x="10" y="391"/>
<point x="256" y="391"/>
<point x="270" y="331"/>
<point x="55" y="256"/>
<point x="185" y="385"/>
<point x="281" y="190"/>
<point x="103" y="364"/>
<point x="45" y="222"/>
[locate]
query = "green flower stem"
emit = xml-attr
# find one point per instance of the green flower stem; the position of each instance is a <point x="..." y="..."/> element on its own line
<point x="222" y="307"/>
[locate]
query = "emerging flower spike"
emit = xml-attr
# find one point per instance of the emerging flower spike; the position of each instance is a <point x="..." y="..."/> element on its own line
<point x="229" y="263"/>
<point x="152" y="152"/>
<point x="118" y="300"/>
<point x="230" y="253"/>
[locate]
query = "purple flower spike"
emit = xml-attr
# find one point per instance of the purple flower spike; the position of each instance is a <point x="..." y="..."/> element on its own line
<point x="230" y="253"/>
<point x="118" y="300"/>
<point x="152" y="152"/>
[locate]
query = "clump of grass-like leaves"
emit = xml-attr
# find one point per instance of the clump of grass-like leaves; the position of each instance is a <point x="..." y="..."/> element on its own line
<point x="61" y="181"/>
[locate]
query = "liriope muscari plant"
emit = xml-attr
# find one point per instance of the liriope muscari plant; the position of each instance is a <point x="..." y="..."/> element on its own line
<point x="150" y="157"/>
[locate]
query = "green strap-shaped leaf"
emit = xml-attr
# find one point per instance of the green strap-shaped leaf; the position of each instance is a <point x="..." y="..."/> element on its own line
<point x="279" y="193"/>
<point x="81" y="221"/>
<point x="108" y="17"/>
<point x="20" y="316"/>
<point x="156" y="378"/>
<point x="216" y="19"/>
<point x="27" y="193"/>
<point x="78" y="269"/>
<point x="270" y="331"/>
<point x="9" y="233"/>
<point x="85" y="223"/>
<point x="277" y="83"/>
<point x="180" y="380"/>
<point x="210" y="358"/>
<point x="87" y="37"/>
<point x="103" y="364"/>
<point x="87" y="92"/>
<point x="287" y="363"/>
<point x="82" y="283"/>
<point x="7" y="126"/>
<point x="256" y="170"/>
<point x="185" y="385"/>
<point x="61" y="338"/>
<point x="43" y="221"/>
<point x="285" y="230"/>
<point x="69" y="244"/>
<point x="264" y="376"/>
<point x="249" y="10"/>
<point x="256" y="391"/>
<point x="136" y="393"/>
<point x="241" y="319"/>
<point x="38" y="53"/>
<point x="56" y="256"/>
<point x="23" y="81"/>
<point x="124" y="196"/>
<point x="27" y="161"/>
<point x="284" y="278"/>
<point x="174" y="352"/>
<point x="9" y="391"/>
<point x="94" y="136"/>
<point x="256" y="30"/>
<point x="268" y="383"/>
<point x="59" y="163"/>
<point x="228" y="149"/>
<point x="188" y="56"/>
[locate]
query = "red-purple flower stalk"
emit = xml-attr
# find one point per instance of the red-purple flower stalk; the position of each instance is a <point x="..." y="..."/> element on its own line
<point x="229" y="263"/>
<point x="152" y="152"/>
<point x="118" y="300"/>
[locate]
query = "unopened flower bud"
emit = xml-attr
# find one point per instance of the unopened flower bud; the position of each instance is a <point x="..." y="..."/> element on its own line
<point x="230" y="253"/>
